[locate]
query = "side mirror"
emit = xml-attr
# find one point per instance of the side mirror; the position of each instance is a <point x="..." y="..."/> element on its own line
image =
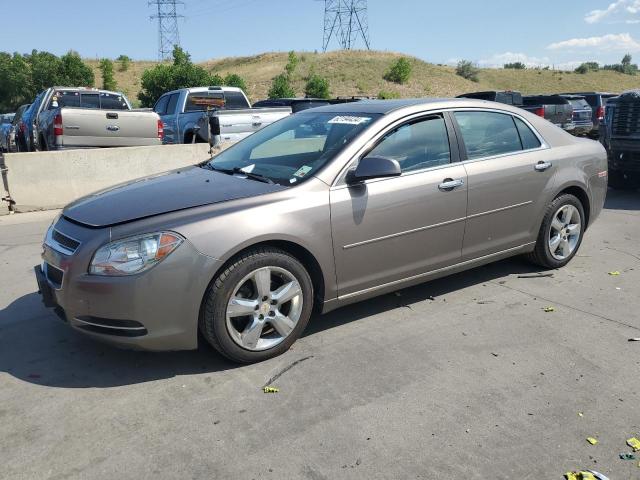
<point x="373" y="167"/>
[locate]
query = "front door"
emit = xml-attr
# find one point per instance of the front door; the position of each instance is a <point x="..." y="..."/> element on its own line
<point x="387" y="230"/>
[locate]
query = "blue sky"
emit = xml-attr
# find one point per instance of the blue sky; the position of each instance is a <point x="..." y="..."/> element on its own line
<point x="490" y="32"/>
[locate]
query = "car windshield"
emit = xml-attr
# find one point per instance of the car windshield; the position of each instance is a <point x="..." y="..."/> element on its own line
<point x="293" y="149"/>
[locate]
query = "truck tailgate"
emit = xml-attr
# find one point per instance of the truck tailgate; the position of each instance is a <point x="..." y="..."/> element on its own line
<point x="104" y="128"/>
<point x="236" y="124"/>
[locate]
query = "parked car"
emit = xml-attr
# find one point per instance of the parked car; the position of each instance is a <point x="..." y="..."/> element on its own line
<point x="76" y="117"/>
<point x="598" y="102"/>
<point x="26" y="125"/>
<point x="554" y="108"/>
<point x="620" y="134"/>
<point x="190" y="114"/>
<point x="244" y="246"/>
<point x="6" y="121"/>
<point x="582" y="114"/>
<point x="508" y="97"/>
<point x="296" y="104"/>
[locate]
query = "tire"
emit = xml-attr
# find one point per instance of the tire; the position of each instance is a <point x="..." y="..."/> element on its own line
<point x="549" y="233"/>
<point x="227" y="329"/>
<point x="621" y="181"/>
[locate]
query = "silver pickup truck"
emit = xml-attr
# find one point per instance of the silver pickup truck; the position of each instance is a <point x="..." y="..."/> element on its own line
<point x="86" y="117"/>
<point x="188" y="112"/>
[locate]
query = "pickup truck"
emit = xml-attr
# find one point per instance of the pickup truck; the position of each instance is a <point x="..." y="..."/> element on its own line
<point x="212" y="114"/>
<point x="554" y="108"/>
<point x="620" y="135"/>
<point x="71" y="117"/>
<point x="582" y="114"/>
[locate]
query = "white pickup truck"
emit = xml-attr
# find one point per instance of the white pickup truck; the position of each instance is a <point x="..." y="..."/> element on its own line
<point x="75" y="117"/>
<point x="188" y="113"/>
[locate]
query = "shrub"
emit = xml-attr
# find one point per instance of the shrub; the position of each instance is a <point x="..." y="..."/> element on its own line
<point x="108" y="80"/>
<point x="233" y="80"/>
<point x="165" y="77"/>
<point x="75" y="73"/>
<point x="467" y="70"/>
<point x="292" y="63"/>
<point x="384" y="95"/>
<point x="125" y="62"/>
<point x="515" y="66"/>
<point x="625" y="66"/>
<point x="281" y="87"/>
<point x="399" y="72"/>
<point x="317" y="87"/>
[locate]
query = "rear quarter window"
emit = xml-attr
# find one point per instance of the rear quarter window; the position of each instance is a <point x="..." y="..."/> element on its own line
<point x="235" y="101"/>
<point x="527" y="137"/>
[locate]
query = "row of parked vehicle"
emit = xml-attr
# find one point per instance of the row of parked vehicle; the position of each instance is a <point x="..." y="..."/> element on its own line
<point x="73" y="117"/>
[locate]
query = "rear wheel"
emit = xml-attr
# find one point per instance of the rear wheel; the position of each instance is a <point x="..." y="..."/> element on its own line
<point x="560" y="234"/>
<point x="258" y="306"/>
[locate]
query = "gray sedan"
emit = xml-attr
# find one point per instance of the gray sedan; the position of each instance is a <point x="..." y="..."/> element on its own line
<point x="324" y="208"/>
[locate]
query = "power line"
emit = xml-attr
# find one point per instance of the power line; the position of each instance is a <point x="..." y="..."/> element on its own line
<point x="347" y="21"/>
<point x="168" y="35"/>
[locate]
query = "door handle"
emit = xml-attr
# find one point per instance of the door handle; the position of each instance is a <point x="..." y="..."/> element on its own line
<point x="542" y="166"/>
<point x="257" y="124"/>
<point x="449" y="184"/>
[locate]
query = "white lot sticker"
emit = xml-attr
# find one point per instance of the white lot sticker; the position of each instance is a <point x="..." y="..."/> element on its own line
<point x="349" y="120"/>
<point x="302" y="171"/>
<point x="248" y="168"/>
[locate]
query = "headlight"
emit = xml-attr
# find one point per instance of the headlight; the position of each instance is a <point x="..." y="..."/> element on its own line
<point x="134" y="254"/>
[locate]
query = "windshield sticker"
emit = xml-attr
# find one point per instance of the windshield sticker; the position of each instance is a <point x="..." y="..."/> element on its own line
<point x="302" y="171"/>
<point x="293" y="180"/>
<point x="248" y="168"/>
<point x="349" y="120"/>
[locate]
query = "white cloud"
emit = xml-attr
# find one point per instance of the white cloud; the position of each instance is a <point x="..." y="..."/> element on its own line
<point x="609" y="42"/>
<point x="619" y="8"/>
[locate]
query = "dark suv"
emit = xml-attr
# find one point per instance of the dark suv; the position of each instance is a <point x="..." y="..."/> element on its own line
<point x="597" y="101"/>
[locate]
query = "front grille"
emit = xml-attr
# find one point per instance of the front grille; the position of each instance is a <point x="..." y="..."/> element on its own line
<point x="53" y="274"/>
<point x="628" y="161"/>
<point x="67" y="242"/>
<point x="626" y="119"/>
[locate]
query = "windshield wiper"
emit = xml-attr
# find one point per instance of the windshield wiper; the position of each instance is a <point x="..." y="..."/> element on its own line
<point x="240" y="171"/>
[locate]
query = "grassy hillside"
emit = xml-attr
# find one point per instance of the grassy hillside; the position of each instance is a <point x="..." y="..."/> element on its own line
<point x="361" y="72"/>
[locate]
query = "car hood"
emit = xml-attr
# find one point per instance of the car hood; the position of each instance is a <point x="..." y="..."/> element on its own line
<point x="167" y="192"/>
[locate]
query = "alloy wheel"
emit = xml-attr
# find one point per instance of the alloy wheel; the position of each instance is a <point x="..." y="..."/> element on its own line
<point x="565" y="231"/>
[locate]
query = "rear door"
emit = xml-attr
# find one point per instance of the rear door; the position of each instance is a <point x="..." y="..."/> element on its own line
<point x="510" y="175"/>
<point x="388" y="230"/>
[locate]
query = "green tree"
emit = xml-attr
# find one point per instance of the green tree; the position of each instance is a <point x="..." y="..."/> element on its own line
<point x="15" y="81"/>
<point x="399" y="72"/>
<point x="166" y="77"/>
<point x="317" y="87"/>
<point x="108" y="80"/>
<point x="233" y="80"/>
<point x="515" y="66"/>
<point x="466" y="69"/>
<point x="292" y="63"/>
<point x="46" y="69"/>
<point x="281" y="87"/>
<point x="74" y="72"/>
<point x="125" y="62"/>
<point x="626" y="60"/>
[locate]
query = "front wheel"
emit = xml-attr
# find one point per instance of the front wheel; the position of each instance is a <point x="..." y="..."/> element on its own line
<point x="258" y="306"/>
<point x="560" y="234"/>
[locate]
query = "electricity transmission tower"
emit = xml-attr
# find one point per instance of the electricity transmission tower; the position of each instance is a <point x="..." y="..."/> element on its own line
<point x="347" y="21"/>
<point x="168" y="35"/>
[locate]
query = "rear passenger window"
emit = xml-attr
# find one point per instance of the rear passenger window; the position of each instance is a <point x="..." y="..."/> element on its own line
<point x="173" y="101"/>
<point x="488" y="133"/>
<point x="111" y="101"/>
<point x="90" y="100"/>
<point x="417" y="145"/>
<point x="528" y="138"/>
<point x="161" y="105"/>
<point x="235" y="101"/>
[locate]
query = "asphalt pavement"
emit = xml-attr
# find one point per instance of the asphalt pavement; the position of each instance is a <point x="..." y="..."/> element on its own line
<point x="464" y="377"/>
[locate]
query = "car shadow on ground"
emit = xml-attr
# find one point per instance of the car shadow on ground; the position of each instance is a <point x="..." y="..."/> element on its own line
<point x="622" y="200"/>
<point x="39" y="348"/>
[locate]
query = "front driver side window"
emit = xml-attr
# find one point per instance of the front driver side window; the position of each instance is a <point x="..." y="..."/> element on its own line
<point x="417" y="145"/>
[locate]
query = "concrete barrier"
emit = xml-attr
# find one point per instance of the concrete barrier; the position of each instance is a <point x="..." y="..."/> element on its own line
<point x="47" y="180"/>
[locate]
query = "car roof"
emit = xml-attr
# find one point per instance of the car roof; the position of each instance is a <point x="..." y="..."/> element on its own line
<point x="387" y="106"/>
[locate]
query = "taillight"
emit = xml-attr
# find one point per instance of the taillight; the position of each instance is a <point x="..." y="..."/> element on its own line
<point x="600" y="113"/>
<point x="57" y="125"/>
<point x="160" y="129"/>
<point x="539" y="112"/>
